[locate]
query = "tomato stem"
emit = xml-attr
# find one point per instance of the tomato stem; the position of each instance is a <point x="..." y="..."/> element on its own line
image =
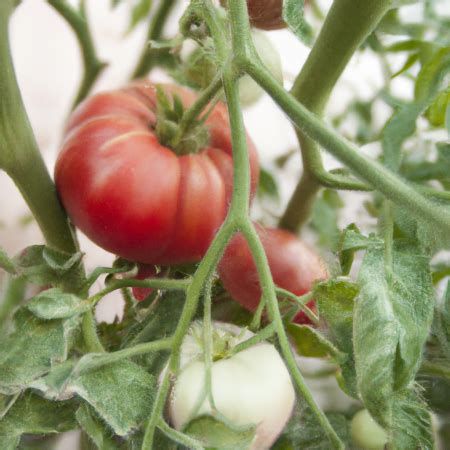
<point x="347" y="25"/>
<point x="387" y="182"/>
<point x="77" y="20"/>
<point x="90" y="336"/>
<point x="150" y="57"/>
<point x="19" y="152"/>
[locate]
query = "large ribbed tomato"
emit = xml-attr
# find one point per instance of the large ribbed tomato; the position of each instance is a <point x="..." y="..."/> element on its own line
<point x="294" y="266"/>
<point x="135" y="197"/>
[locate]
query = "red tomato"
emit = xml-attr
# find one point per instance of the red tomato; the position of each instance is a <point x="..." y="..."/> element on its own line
<point x="293" y="264"/>
<point x="264" y="14"/>
<point x="145" y="271"/>
<point x="133" y="196"/>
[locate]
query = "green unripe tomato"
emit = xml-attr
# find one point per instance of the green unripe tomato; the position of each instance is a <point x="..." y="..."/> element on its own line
<point x="366" y="433"/>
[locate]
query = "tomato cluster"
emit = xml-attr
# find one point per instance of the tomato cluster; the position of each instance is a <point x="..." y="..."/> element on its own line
<point x="134" y="196"/>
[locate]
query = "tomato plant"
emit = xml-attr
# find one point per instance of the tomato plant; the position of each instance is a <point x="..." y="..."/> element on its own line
<point x="165" y="177"/>
<point x="293" y="264"/>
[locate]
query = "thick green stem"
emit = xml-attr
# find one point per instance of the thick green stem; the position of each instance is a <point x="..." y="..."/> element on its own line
<point x="77" y="20"/>
<point x="366" y="169"/>
<point x="19" y="153"/>
<point x="347" y="25"/>
<point x="90" y="336"/>
<point x="149" y="56"/>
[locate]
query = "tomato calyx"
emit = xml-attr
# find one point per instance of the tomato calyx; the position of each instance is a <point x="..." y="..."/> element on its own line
<point x="169" y="116"/>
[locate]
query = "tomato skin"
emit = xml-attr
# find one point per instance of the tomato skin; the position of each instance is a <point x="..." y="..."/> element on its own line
<point x="294" y="266"/>
<point x="265" y="14"/>
<point x="133" y="196"/>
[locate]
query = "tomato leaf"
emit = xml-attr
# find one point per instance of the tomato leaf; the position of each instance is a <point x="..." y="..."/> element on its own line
<point x="268" y="186"/>
<point x="32" y="349"/>
<point x="293" y="15"/>
<point x="95" y="429"/>
<point x="140" y="12"/>
<point x="55" y="304"/>
<point x="32" y="414"/>
<point x="215" y="434"/>
<point x="392" y="318"/>
<point x="44" y="265"/>
<point x="304" y="432"/>
<point x="309" y="342"/>
<point x="403" y="122"/>
<point x="6" y="263"/>
<point x="335" y="301"/>
<point x="325" y="217"/>
<point x="121" y="393"/>
<point x="350" y="242"/>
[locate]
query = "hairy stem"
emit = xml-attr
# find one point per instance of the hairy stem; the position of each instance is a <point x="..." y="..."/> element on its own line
<point x="347" y="25"/>
<point x="77" y="20"/>
<point x="366" y="169"/>
<point x="19" y="153"/>
<point x="89" y="329"/>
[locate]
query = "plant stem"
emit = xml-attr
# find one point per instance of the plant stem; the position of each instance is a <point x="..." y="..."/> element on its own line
<point x="264" y="334"/>
<point x="19" y="153"/>
<point x="12" y="296"/>
<point x="300" y="301"/>
<point x="90" y="336"/>
<point x="77" y="20"/>
<point x="204" y="272"/>
<point x="139" y="349"/>
<point x="347" y="25"/>
<point x="178" y="437"/>
<point x="155" y="283"/>
<point x="433" y="369"/>
<point x="268" y="290"/>
<point x="368" y="170"/>
<point x="148" y="58"/>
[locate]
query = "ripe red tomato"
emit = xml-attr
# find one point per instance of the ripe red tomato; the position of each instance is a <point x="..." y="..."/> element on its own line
<point x="265" y="14"/>
<point x="294" y="266"/>
<point x="133" y="196"/>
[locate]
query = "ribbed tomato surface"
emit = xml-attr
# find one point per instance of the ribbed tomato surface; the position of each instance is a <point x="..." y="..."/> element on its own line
<point x="135" y="197"/>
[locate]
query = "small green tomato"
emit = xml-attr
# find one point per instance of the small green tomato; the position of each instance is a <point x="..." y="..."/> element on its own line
<point x="366" y="433"/>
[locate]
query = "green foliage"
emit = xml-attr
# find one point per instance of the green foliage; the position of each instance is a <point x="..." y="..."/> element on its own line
<point x="392" y="318"/>
<point x="95" y="429"/>
<point x="55" y="304"/>
<point x="303" y="431"/>
<point x="267" y="187"/>
<point x="121" y="394"/>
<point x="324" y="220"/>
<point x="6" y="263"/>
<point x="309" y="342"/>
<point x="32" y="349"/>
<point x="43" y="266"/>
<point x="215" y="434"/>
<point x="293" y="15"/>
<point x="32" y="414"/>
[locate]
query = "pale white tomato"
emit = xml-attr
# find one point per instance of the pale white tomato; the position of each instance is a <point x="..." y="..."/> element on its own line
<point x="253" y="387"/>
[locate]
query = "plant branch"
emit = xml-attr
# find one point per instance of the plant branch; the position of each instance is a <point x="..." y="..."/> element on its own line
<point x="155" y="283"/>
<point x="19" y="152"/>
<point x="366" y="169"/>
<point x="178" y="437"/>
<point x="90" y="336"/>
<point x="347" y="25"/>
<point x="77" y="20"/>
<point x="101" y="359"/>
<point x="149" y="56"/>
